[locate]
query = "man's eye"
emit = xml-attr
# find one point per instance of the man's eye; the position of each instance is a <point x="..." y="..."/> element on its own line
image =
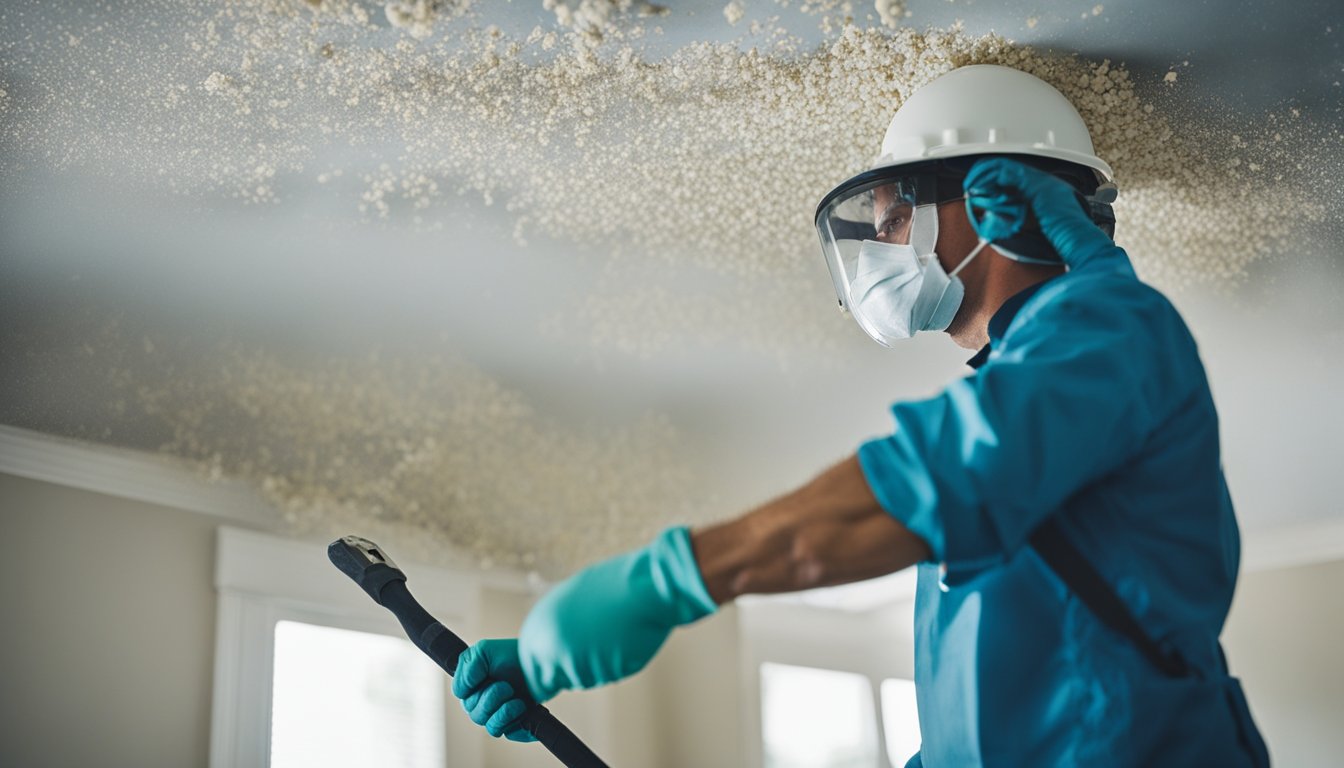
<point x="895" y="219"/>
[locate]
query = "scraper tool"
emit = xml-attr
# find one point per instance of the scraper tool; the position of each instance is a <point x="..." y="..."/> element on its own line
<point x="370" y="567"/>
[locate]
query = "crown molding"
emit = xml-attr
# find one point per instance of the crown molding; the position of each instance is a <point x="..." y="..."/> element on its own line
<point x="168" y="482"/>
<point x="1290" y="546"/>
<point x="129" y="474"/>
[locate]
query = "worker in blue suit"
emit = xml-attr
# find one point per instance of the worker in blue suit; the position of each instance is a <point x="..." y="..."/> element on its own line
<point x="1064" y="503"/>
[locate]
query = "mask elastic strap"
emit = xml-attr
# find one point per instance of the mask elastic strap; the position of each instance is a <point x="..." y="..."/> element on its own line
<point x="978" y="248"/>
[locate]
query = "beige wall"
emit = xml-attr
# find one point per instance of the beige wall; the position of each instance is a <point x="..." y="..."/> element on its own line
<point x="683" y="710"/>
<point x="697" y="698"/>
<point x="108" y="614"/>
<point x="108" y="635"/>
<point x="615" y="721"/>
<point x="107" y="649"/>
<point x="1283" y="639"/>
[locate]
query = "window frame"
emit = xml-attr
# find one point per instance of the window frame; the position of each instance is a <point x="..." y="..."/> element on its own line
<point x="876" y="643"/>
<point x="882" y="717"/>
<point x="262" y="579"/>
<point x="862" y="682"/>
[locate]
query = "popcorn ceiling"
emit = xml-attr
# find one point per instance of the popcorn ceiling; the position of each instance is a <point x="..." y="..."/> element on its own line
<point x="438" y="449"/>
<point x="429" y="456"/>
<point x="731" y="145"/>
<point x="713" y="155"/>
<point x="418" y="16"/>
<point x="891" y="12"/>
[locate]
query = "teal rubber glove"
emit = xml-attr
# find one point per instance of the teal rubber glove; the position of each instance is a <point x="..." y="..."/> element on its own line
<point x="487" y="680"/>
<point x="1002" y="196"/>
<point x="607" y="621"/>
<point x="600" y="625"/>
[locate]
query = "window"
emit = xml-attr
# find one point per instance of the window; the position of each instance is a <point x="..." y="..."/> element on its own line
<point x="900" y="720"/>
<point x="341" y="697"/>
<point x="310" y="671"/>
<point x="818" y="718"/>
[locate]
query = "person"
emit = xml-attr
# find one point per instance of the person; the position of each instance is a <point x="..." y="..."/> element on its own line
<point x="1087" y="417"/>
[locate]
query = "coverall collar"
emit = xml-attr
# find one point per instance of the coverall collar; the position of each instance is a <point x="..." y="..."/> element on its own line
<point x="998" y="324"/>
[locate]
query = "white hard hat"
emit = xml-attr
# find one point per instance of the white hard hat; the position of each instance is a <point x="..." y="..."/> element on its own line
<point x="987" y="109"/>
<point x="932" y="142"/>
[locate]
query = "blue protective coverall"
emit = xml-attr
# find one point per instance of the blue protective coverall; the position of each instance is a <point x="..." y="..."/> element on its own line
<point x="1090" y="403"/>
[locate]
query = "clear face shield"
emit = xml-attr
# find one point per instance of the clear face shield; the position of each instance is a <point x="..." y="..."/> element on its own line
<point x="886" y="206"/>
<point x="891" y="215"/>
<point x="879" y="231"/>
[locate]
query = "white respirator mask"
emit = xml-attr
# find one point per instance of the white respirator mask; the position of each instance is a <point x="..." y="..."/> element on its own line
<point x="896" y="292"/>
<point x="895" y="286"/>
<point x="878" y="233"/>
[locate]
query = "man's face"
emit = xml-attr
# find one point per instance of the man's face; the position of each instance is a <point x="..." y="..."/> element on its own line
<point x="892" y="216"/>
<point x="893" y="213"/>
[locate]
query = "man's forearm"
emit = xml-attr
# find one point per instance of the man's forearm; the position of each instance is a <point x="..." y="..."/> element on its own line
<point x="830" y="531"/>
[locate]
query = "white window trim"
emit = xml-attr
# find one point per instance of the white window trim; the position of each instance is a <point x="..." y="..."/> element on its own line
<point x="877" y="644"/>
<point x="262" y="579"/>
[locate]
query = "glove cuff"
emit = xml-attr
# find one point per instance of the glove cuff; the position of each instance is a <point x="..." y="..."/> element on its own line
<point x="676" y="576"/>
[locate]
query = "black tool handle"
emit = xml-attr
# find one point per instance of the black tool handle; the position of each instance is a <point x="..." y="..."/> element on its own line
<point x="387" y="586"/>
<point x="443" y="646"/>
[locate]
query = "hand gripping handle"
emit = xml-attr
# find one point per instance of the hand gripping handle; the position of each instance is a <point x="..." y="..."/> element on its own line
<point x="366" y="564"/>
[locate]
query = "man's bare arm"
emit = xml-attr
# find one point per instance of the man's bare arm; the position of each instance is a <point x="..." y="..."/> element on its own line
<point x="830" y="531"/>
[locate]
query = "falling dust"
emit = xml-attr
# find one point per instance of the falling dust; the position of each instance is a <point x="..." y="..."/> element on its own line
<point x="712" y="155"/>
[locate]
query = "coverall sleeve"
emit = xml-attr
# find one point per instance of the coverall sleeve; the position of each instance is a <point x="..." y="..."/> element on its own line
<point x="1087" y="371"/>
